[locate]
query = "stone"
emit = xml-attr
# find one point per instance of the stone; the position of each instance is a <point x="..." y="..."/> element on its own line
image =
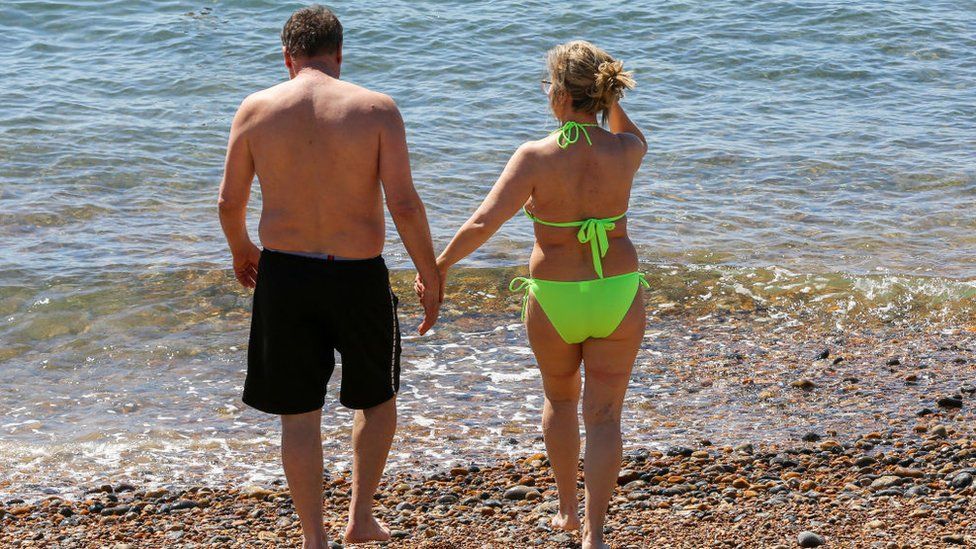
<point x="447" y="499"/>
<point x="962" y="480"/>
<point x="804" y="384"/>
<point x="178" y="505"/>
<point x="949" y="402"/>
<point x="627" y="476"/>
<point x="809" y="539"/>
<point x="910" y="473"/>
<point x="518" y="492"/>
<point x="885" y="482"/>
<point x="255" y="492"/>
<point x="680" y="451"/>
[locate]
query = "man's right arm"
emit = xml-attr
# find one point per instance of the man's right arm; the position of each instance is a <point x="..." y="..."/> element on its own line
<point x="235" y="190"/>
<point x="406" y="208"/>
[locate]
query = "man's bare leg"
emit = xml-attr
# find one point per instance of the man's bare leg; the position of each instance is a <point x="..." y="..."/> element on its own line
<point x="372" y="435"/>
<point x="301" y="455"/>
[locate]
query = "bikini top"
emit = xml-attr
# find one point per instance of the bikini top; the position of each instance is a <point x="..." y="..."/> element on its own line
<point x="592" y="230"/>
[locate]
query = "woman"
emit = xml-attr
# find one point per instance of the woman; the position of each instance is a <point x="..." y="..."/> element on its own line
<point x="583" y="302"/>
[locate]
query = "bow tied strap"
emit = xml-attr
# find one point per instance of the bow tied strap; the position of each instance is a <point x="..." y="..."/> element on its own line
<point x="594" y="231"/>
<point x="570" y="132"/>
<point x="521" y="284"/>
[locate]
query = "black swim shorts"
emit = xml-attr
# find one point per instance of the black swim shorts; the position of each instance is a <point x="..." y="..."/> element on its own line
<point x="307" y="308"/>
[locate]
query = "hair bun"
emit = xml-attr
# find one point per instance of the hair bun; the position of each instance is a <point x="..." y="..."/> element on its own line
<point x="591" y="77"/>
<point x="611" y="81"/>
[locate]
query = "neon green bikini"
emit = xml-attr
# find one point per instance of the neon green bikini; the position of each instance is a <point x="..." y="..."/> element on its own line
<point x="579" y="310"/>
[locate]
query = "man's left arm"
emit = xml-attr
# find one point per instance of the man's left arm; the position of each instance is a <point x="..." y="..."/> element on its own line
<point x="235" y="190"/>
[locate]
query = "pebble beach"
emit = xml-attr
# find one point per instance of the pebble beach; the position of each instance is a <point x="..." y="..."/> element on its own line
<point x="832" y="493"/>
<point x="908" y="484"/>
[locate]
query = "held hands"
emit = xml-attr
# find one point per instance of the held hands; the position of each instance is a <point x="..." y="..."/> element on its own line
<point x="431" y="294"/>
<point x="246" y="264"/>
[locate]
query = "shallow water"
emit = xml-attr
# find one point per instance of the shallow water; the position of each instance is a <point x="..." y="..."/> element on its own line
<point x="811" y="164"/>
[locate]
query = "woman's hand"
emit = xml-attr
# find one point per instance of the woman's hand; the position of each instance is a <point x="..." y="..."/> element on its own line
<point x="442" y="268"/>
<point x="420" y="287"/>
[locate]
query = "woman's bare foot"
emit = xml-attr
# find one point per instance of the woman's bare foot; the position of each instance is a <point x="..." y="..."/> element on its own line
<point x="365" y="531"/>
<point x="569" y="522"/>
<point x="590" y="543"/>
<point x="593" y="541"/>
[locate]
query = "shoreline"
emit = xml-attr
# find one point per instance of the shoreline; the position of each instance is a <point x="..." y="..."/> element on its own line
<point x="891" y="489"/>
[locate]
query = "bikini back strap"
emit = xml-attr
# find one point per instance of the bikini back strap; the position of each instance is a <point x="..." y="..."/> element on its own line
<point x="592" y="231"/>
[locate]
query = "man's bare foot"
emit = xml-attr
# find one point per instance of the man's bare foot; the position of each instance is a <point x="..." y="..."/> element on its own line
<point x="365" y="531"/>
<point x="569" y="522"/>
<point x="315" y="545"/>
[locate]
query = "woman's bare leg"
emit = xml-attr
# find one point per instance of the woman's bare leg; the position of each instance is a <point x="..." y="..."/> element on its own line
<point x="608" y="363"/>
<point x="559" y="363"/>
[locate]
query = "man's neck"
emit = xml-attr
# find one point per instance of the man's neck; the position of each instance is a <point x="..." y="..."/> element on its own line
<point x="324" y="67"/>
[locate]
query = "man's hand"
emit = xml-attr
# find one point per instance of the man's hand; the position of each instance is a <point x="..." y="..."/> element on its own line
<point x="429" y="292"/>
<point x="246" y="265"/>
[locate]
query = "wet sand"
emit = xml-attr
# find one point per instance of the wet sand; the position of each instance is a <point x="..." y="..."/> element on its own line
<point x="862" y="436"/>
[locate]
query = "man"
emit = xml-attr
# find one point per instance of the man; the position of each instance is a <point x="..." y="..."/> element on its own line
<point x="325" y="152"/>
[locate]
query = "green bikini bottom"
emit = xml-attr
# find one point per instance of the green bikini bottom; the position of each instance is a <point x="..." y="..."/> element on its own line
<point x="584" y="309"/>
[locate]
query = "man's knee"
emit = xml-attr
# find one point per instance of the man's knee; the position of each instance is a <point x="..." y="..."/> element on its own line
<point x="384" y="408"/>
<point x="302" y="422"/>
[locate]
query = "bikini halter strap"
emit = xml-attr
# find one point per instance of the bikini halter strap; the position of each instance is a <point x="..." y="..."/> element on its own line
<point x="569" y="133"/>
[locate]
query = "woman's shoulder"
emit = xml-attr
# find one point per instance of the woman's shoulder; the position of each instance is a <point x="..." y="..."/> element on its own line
<point x="538" y="150"/>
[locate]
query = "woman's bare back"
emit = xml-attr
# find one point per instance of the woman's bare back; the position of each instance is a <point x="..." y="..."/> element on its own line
<point x="582" y="181"/>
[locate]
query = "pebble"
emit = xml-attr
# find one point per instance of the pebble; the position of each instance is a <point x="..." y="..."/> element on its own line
<point x="962" y="480"/>
<point x="950" y="402"/>
<point x="884" y="482"/>
<point x="804" y="384"/>
<point x="809" y="539"/>
<point x="518" y="492"/>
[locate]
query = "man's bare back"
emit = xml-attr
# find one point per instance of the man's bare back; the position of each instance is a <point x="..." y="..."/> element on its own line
<point x="315" y="141"/>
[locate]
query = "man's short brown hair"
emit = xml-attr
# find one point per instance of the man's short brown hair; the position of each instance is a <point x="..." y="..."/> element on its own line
<point x="312" y="31"/>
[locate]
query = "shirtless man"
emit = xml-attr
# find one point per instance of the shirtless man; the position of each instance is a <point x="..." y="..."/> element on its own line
<point x="325" y="152"/>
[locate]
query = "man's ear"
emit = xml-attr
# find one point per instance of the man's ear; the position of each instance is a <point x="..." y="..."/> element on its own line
<point x="288" y="62"/>
<point x="339" y="55"/>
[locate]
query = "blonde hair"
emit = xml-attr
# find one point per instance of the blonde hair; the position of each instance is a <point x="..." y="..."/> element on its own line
<point x="590" y="76"/>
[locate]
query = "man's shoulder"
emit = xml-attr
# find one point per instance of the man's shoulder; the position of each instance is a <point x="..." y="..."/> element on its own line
<point x="259" y="102"/>
<point x="369" y="100"/>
